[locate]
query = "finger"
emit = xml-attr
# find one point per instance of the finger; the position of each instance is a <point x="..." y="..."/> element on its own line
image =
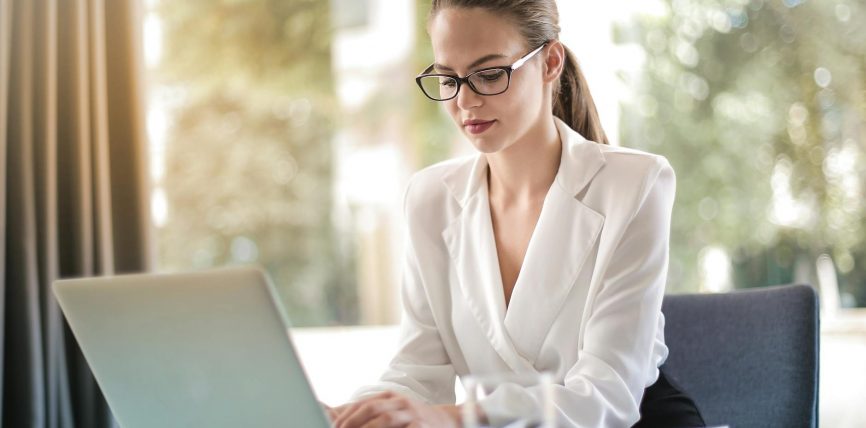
<point x="392" y="419"/>
<point x="364" y="412"/>
<point x="350" y="408"/>
<point x="331" y="412"/>
<point x="332" y="415"/>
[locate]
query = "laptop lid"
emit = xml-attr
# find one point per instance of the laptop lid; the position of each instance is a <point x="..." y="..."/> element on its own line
<point x="209" y="348"/>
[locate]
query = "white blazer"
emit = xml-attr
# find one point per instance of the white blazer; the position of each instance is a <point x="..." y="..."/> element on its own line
<point x="587" y="302"/>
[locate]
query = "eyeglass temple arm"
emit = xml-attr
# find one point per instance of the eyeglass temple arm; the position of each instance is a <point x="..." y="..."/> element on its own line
<point x="426" y="70"/>
<point x="523" y="60"/>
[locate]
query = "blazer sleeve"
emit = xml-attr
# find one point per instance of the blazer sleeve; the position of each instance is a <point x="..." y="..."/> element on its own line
<point x="605" y="386"/>
<point x="421" y="368"/>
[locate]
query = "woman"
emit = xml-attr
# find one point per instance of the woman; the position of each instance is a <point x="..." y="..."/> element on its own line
<point x="548" y="251"/>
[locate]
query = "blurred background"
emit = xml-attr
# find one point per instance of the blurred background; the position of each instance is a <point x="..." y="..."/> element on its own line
<point x="283" y="132"/>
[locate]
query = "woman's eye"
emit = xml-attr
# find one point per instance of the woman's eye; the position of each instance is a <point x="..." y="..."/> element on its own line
<point x="492" y="76"/>
<point x="447" y="83"/>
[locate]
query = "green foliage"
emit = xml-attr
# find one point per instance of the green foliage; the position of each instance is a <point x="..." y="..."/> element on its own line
<point x="281" y="45"/>
<point x="435" y="132"/>
<point x="248" y="174"/>
<point x="752" y="101"/>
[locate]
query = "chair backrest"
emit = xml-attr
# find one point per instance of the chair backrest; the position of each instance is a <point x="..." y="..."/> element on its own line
<point x="748" y="358"/>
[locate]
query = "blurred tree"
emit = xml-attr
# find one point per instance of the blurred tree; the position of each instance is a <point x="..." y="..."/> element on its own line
<point x="430" y="134"/>
<point x="760" y="106"/>
<point x="248" y="171"/>
<point x="435" y="132"/>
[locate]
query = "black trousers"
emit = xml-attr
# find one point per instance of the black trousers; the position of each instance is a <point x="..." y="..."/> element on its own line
<point x="665" y="405"/>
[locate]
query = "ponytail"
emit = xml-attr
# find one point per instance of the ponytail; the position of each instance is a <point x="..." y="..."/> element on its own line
<point x="573" y="103"/>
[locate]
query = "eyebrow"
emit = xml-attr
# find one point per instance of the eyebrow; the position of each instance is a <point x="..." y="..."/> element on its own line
<point x="476" y="63"/>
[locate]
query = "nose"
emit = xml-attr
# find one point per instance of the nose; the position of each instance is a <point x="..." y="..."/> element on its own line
<point x="467" y="98"/>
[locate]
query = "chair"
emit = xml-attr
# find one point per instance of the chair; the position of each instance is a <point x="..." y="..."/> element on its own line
<point x="748" y="358"/>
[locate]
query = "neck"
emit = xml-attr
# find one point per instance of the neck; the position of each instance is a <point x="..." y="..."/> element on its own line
<point x="524" y="171"/>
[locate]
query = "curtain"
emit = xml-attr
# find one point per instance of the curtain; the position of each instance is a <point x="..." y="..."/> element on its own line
<point x="73" y="191"/>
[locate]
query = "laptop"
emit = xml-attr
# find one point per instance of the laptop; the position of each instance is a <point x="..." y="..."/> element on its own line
<point x="198" y="349"/>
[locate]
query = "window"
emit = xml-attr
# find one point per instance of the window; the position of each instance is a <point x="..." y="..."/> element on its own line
<point x="759" y="107"/>
<point x="281" y="136"/>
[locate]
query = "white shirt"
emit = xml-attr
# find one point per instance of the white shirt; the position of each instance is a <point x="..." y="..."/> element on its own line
<point x="586" y="306"/>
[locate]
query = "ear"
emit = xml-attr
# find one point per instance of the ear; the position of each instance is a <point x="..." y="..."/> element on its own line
<point x="554" y="61"/>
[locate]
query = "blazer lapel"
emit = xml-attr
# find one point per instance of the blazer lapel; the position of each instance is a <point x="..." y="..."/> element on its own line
<point x="563" y="238"/>
<point x="564" y="235"/>
<point x="470" y="243"/>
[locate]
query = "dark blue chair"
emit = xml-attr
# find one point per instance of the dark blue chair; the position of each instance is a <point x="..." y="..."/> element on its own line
<point x="748" y="358"/>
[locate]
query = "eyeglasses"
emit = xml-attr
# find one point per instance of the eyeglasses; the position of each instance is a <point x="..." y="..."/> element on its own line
<point x="487" y="81"/>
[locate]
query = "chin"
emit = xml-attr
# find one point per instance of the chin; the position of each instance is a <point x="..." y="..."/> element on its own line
<point x="486" y="145"/>
<point x="490" y="141"/>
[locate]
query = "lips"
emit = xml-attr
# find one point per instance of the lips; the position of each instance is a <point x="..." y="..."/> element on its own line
<point x="476" y="126"/>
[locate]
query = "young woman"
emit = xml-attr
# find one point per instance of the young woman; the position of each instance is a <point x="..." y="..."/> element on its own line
<point x="547" y="251"/>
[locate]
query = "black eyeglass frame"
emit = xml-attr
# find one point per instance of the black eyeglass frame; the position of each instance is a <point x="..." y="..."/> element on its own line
<point x="465" y="79"/>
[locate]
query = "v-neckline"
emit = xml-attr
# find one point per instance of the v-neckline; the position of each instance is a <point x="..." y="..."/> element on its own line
<point x="500" y="286"/>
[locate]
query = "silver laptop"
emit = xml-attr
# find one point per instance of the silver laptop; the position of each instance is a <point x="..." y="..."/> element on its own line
<point x="200" y="349"/>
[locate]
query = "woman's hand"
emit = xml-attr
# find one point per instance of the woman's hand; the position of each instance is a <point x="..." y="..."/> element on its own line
<point x="333" y="412"/>
<point x="392" y="410"/>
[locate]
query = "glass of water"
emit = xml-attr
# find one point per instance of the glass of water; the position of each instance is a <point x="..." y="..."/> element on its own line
<point x="513" y="400"/>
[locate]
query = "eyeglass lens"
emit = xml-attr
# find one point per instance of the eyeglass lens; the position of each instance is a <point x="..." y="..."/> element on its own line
<point x="486" y="82"/>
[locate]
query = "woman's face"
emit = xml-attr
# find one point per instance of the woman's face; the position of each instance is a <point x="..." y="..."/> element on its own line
<point x="466" y="40"/>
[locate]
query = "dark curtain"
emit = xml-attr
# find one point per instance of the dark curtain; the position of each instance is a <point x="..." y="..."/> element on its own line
<point x="73" y="190"/>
